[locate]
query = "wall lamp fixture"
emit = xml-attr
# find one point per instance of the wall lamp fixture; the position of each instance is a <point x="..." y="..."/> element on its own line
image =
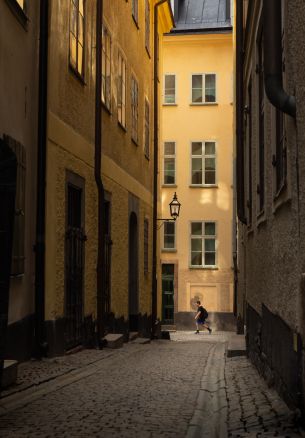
<point x="174" y="208"/>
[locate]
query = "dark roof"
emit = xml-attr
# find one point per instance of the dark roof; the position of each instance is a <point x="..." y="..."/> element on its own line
<point x="202" y="16"/>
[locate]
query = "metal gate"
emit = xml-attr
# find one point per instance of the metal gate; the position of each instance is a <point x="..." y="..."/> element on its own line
<point x="74" y="275"/>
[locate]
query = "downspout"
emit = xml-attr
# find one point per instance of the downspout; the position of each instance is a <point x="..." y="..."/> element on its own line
<point x="240" y="114"/>
<point x="40" y="341"/>
<point x="272" y="14"/>
<point x="156" y="170"/>
<point x="100" y="296"/>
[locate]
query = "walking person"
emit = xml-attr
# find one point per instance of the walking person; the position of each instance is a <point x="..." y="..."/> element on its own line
<point x="201" y="317"/>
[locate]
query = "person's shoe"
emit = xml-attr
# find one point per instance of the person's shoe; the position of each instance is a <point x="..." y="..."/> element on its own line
<point x="210" y="330"/>
<point x="196" y="332"/>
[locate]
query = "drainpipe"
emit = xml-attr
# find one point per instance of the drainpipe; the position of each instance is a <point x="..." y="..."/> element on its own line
<point x="272" y="14"/>
<point x="156" y="170"/>
<point x="239" y="113"/>
<point x="100" y="295"/>
<point x="40" y="342"/>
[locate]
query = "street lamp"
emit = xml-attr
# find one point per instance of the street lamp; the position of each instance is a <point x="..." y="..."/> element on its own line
<point x="174" y="208"/>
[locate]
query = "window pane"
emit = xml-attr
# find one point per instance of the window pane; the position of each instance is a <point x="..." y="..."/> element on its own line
<point x="209" y="244"/>
<point x="210" y="259"/>
<point x="196" y="245"/>
<point x="73" y="50"/>
<point x="196" y="228"/>
<point x="196" y="96"/>
<point x="169" y="82"/>
<point x="81" y="30"/>
<point x="210" y="229"/>
<point x="197" y="81"/>
<point x="169" y="148"/>
<point x="73" y="24"/>
<point x="196" y="171"/>
<point x="169" y="241"/>
<point x="210" y="164"/>
<point x="169" y="228"/>
<point x="21" y="3"/>
<point x="210" y="148"/>
<point x="80" y="59"/>
<point x="210" y="177"/>
<point x="196" y="259"/>
<point x="168" y="269"/>
<point x="210" y="88"/>
<point x="81" y="6"/>
<point x="196" y="148"/>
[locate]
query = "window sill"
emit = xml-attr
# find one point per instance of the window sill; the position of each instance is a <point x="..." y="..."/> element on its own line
<point x="18" y="12"/>
<point x="205" y="268"/>
<point x="122" y="127"/>
<point x="135" y="142"/>
<point x="170" y="104"/>
<point x="204" y="104"/>
<point x="148" y="52"/>
<point x="106" y="108"/>
<point x="135" y="21"/>
<point x="169" y="186"/>
<point x="76" y="74"/>
<point x="203" y="186"/>
<point x="169" y="250"/>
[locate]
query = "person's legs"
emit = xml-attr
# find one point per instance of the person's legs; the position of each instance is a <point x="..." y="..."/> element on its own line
<point x="207" y="327"/>
<point x="197" y="328"/>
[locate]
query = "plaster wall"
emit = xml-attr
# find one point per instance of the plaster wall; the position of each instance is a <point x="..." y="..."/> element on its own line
<point x="18" y="119"/>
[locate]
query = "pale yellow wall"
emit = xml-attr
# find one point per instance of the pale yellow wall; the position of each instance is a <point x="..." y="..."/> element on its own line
<point x="183" y="123"/>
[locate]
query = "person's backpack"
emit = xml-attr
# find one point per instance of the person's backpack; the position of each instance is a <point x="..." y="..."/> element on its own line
<point x="205" y="313"/>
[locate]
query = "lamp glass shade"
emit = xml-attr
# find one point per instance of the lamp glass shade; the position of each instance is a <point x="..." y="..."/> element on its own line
<point x="174" y="207"/>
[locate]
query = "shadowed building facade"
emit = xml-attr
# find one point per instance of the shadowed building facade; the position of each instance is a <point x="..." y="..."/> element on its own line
<point x="270" y="189"/>
<point x="196" y="162"/>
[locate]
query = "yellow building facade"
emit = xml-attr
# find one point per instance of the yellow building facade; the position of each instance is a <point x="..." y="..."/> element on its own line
<point x="127" y="169"/>
<point x="196" y="162"/>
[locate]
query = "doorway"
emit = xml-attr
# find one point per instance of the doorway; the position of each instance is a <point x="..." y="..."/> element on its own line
<point x="168" y="271"/>
<point x="133" y="283"/>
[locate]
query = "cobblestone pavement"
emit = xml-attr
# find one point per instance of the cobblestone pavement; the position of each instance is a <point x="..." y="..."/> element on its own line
<point x="254" y="409"/>
<point x="140" y="391"/>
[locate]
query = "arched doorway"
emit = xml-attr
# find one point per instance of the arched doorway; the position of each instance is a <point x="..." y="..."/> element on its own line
<point x="133" y="283"/>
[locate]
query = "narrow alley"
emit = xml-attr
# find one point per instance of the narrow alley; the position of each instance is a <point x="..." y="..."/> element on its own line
<point x="185" y="387"/>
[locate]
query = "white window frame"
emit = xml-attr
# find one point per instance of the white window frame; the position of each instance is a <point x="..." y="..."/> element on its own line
<point x="107" y="61"/>
<point x="203" y="102"/>
<point x="203" y="156"/>
<point x="135" y="113"/>
<point x="175" y="95"/>
<point x="175" y="161"/>
<point x="146" y="130"/>
<point x="164" y="248"/>
<point x="203" y="237"/>
<point x="122" y="63"/>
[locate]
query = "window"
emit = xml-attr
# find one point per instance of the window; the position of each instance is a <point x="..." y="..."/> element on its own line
<point x="203" y="88"/>
<point x="249" y="132"/>
<point x="146" y="231"/>
<point x="169" y="242"/>
<point x="261" y="115"/>
<point x="170" y="89"/>
<point x="203" y="163"/>
<point x="77" y="36"/>
<point x="169" y="163"/>
<point x="147" y="129"/>
<point x="135" y="11"/>
<point x="134" y="109"/>
<point x="18" y="253"/>
<point x="21" y="3"/>
<point x="122" y="91"/>
<point x="147" y="26"/>
<point x="203" y="244"/>
<point x="106" y="68"/>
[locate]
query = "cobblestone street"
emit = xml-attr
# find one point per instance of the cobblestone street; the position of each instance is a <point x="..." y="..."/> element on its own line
<point x="143" y="390"/>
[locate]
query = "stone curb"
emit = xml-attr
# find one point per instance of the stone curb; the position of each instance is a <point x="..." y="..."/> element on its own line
<point x="210" y="416"/>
